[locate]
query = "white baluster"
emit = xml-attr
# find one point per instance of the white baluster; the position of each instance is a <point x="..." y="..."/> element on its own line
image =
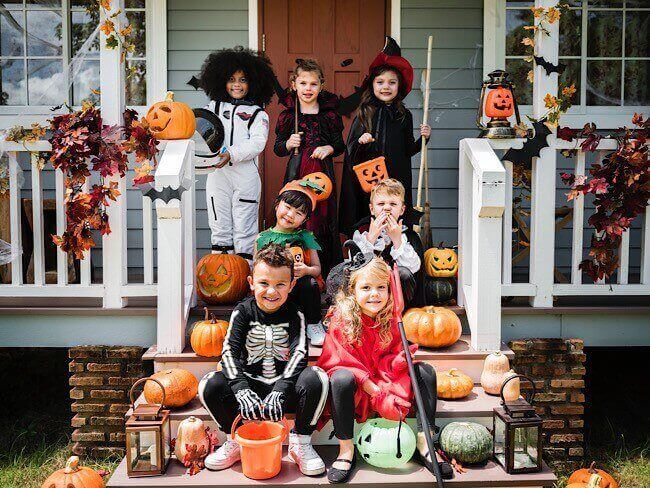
<point x="147" y="240"/>
<point x="37" y="221"/>
<point x="15" y="220"/>
<point x="578" y="220"/>
<point x="61" y="256"/>
<point x="507" y="227"/>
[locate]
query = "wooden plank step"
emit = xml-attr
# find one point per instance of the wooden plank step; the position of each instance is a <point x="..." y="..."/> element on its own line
<point x="365" y="476"/>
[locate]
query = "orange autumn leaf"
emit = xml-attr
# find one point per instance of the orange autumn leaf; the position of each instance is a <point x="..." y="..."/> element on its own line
<point x="537" y="11"/>
<point x="569" y="91"/>
<point x="553" y="15"/>
<point x="531" y="76"/>
<point x="107" y="27"/>
<point x="106" y="4"/>
<point x="550" y="101"/>
<point x="125" y="31"/>
<point x="527" y="41"/>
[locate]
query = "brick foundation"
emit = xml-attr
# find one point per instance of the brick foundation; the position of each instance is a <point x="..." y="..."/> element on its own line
<point x="100" y="380"/>
<point x="557" y="368"/>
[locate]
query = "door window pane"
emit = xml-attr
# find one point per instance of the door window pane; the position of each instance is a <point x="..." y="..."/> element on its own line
<point x="12" y="74"/>
<point x="136" y="83"/>
<point x="518" y="70"/>
<point x="604" y="82"/>
<point x="83" y="25"/>
<point x="11" y="33"/>
<point x="637" y="33"/>
<point x="571" y="76"/>
<point x="515" y="21"/>
<point x="605" y="30"/>
<point x="46" y="85"/>
<point x="86" y="80"/>
<point x="43" y="33"/>
<point x="570" y="29"/>
<point x="637" y="82"/>
<point x="138" y="33"/>
<point x="44" y="3"/>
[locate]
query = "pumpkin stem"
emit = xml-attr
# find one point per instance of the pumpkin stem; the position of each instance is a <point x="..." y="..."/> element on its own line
<point x="72" y="465"/>
<point x="170" y="96"/>
<point x="453" y="371"/>
<point x="213" y="319"/>
<point x="592" y="468"/>
<point x="207" y="313"/>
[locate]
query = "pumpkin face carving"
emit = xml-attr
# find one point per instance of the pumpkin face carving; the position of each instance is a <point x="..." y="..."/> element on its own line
<point x="584" y="475"/>
<point x="499" y="103"/>
<point x="371" y="172"/>
<point x="324" y="182"/>
<point x="441" y="262"/>
<point x="221" y="278"/>
<point x="74" y="476"/>
<point x="171" y="120"/>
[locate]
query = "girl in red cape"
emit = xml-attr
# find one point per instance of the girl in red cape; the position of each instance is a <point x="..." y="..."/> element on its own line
<point x="365" y="362"/>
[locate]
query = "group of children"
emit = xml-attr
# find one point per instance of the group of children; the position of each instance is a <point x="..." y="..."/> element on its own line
<point x="362" y="369"/>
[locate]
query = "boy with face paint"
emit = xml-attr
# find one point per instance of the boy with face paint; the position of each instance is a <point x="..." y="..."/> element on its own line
<point x="264" y="366"/>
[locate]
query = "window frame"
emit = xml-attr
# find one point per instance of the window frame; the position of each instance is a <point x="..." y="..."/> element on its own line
<point x="156" y="65"/>
<point x="494" y="57"/>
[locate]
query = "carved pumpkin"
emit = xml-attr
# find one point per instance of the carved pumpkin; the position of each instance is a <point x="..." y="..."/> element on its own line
<point x="594" y="482"/>
<point x="324" y="182"/>
<point x="180" y="386"/>
<point x="495" y="366"/>
<point x="439" y="290"/>
<point x="371" y="172"/>
<point x="221" y="278"/>
<point x="441" y="262"/>
<point x="499" y="103"/>
<point x="584" y="476"/>
<point x="191" y="432"/>
<point x="171" y="120"/>
<point x="432" y="326"/>
<point x="208" y="335"/>
<point x="73" y="476"/>
<point x="512" y="389"/>
<point x="454" y="384"/>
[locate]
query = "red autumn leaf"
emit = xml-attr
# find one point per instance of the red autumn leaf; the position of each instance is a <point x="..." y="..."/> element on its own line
<point x="566" y="133"/>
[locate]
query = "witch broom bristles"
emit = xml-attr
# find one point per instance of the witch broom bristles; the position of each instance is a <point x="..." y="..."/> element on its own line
<point x="398" y="307"/>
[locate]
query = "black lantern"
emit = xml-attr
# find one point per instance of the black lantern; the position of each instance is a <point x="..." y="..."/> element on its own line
<point x="497" y="102"/>
<point x="517" y="431"/>
<point x="148" y="448"/>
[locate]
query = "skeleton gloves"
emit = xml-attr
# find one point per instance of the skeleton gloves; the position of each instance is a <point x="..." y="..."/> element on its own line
<point x="252" y="407"/>
<point x="273" y="406"/>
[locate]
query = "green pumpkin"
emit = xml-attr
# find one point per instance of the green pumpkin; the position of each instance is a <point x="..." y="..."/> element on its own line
<point x="439" y="290"/>
<point x="377" y="443"/>
<point x="467" y="442"/>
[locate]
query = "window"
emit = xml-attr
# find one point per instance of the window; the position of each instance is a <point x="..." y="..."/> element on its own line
<point x="47" y="57"/>
<point x="605" y="45"/>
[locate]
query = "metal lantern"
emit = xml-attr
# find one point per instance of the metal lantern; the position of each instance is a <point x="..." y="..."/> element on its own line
<point x="497" y="102"/>
<point x="148" y="448"/>
<point x="517" y="431"/>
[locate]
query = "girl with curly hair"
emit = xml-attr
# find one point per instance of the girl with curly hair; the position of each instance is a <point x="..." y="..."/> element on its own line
<point x="239" y="83"/>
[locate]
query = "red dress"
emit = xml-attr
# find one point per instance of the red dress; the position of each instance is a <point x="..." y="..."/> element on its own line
<point x="386" y="367"/>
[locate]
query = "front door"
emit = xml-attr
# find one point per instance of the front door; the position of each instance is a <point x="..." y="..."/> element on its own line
<point x="330" y="31"/>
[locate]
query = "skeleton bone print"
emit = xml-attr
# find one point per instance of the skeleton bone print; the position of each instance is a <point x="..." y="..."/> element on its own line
<point x="267" y="342"/>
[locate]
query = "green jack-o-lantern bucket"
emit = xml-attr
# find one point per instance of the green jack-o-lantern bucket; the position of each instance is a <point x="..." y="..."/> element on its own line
<point x="386" y="443"/>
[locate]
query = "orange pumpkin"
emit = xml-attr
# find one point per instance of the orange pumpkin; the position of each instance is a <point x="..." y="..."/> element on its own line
<point x="180" y="386"/>
<point x="499" y="103"/>
<point x="171" y="120"/>
<point x="432" y="326"/>
<point x="440" y="262"/>
<point x="584" y="475"/>
<point x="324" y="182"/>
<point x="371" y="172"/>
<point x="221" y="278"/>
<point x="299" y="255"/>
<point x="73" y="476"/>
<point x="454" y="384"/>
<point x="208" y="335"/>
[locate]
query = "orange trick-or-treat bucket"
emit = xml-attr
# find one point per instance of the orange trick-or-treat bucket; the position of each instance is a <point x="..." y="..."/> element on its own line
<point x="369" y="173"/>
<point x="261" y="447"/>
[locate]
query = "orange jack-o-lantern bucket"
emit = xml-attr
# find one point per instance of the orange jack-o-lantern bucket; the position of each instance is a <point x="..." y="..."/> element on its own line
<point x="371" y="172"/>
<point x="499" y="103"/>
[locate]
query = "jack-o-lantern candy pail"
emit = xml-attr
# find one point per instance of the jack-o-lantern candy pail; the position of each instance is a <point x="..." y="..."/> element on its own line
<point x="171" y="120"/>
<point x="221" y="278"/>
<point x="371" y="172"/>
<point x="499" y="103"/>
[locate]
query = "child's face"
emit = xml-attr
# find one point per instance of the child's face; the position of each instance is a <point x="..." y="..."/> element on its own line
<point x="237" y="85"/>
<point x="307" y="86"/>
<point x="270" y="285"/>
<point x="382" y="202"/>
<point x="288" y="217"/>
<point x="371" y="293"/>
<point x="386" y="86"/>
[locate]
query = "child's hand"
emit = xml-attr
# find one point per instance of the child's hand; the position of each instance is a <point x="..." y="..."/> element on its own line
<point x="224" y="159"/>
<point x="321" y="152"/>
<point x="394" y="231"/>
<point x="294" y="141"/>
<point x="366" y="138"/>
<point x="299" y="269"/>
<point x="425" y="130"/>
<point x="377" y="224"/>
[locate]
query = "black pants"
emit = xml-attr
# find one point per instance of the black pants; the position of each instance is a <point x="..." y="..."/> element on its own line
<point x="406" y="278"/>
<point x="306" y="401"/>
<point x="343" y="387"/>
<point x="306" y="296"/>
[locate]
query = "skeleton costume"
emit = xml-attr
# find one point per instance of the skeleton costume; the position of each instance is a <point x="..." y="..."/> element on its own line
<point x="264" y="370"/>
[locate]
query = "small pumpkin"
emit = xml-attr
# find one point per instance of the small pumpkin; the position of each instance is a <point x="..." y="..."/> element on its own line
<point x="438" y="291"/>
<point x="495" y="366"/>
<point x="432" y="326"/>
<point x="74" y="476"/>
<point x="584" y="475"/>
<point x="512" y="389"/>
<point x="466" y="442"/>
<point x="221" y="278"/>
<point x="323" y="181"/>
<point x="499" y="103"/>
<point x="594" y="482"/>
<point x="440" y="262"/>
<point x="208" y="335"/>
<point x="454" y="384"/>
<point x="170" y="119"/>
<point x="191" y="432"/>
<point x="180" y="386"/>
<point x="369" y="173"/>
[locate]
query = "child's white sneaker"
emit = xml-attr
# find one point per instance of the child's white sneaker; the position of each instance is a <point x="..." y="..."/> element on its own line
<point x="224" y="457"/>
<point x="304" y="455"/>
<point x="316" y="334"/>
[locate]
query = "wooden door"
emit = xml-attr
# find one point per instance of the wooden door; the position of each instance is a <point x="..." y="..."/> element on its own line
<point x="329" y="31"/>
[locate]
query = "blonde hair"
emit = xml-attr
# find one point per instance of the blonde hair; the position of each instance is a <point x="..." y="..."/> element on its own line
<point x="310" y="66"/>
<point x="389" y="186"/>
<point x="350" y="310"/>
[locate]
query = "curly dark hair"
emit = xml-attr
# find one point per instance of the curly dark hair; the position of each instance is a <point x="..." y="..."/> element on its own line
<point x="219" y="66"/>
<point x="275" y="256"/>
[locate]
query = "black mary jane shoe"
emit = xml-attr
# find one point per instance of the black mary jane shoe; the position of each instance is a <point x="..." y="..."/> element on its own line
<point x="335" y="475"/>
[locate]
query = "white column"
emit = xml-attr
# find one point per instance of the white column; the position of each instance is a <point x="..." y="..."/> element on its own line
<point x="112" y="107"/>
<point x="542" y="237"/>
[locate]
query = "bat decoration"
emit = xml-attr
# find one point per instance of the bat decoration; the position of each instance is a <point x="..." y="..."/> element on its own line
<point x="167" y="194"/>
<point x="531" y="148"/>
<point x="194" y="82"/>
<point x="346" y="62"/>
<point x="550" y="67"/>
<point x="349" y="104"/>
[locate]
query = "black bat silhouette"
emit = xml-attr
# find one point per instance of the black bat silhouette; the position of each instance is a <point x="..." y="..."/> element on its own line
<point x="531" y="147"/>
<point x="550" y="67"/>
<point x="194" y="83"/>
<point x="167" y="194"/>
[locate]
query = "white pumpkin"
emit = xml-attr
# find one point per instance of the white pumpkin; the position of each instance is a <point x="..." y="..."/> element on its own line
<point x="512" y="390"/>
<point x="191" y="431"/>
<point x="494" y="367"/>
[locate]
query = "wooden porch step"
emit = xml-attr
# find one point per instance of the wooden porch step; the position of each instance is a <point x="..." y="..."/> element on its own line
<point x="412" y="475"/>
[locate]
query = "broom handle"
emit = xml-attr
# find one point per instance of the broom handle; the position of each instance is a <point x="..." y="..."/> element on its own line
<point x="295" y="122"/>
<point x="425" y="116"/>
